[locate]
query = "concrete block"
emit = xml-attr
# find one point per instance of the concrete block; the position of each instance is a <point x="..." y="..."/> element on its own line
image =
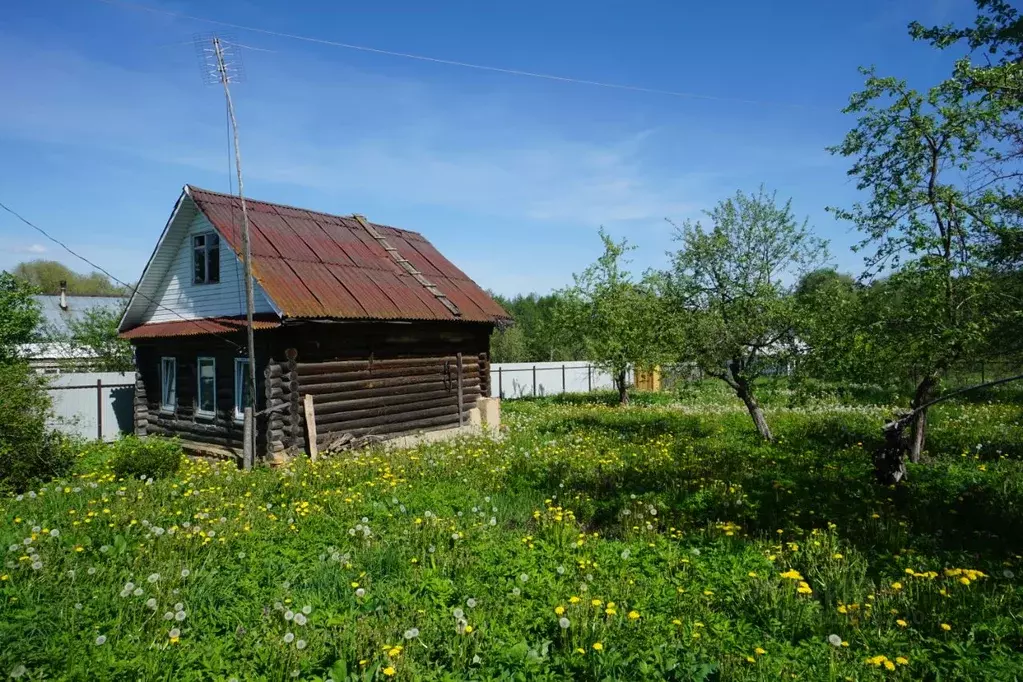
<point x="490" y="410"/>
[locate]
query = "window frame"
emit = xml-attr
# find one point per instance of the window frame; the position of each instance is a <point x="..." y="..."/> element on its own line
<point x="199" y="412"/>
<point x="240" y="377"/>
<point x="166" y="406"/>
<point x="205" y="248"/>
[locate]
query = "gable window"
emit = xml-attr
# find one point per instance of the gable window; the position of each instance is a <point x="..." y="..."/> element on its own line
<point x="242" y="387"/>
<point x="206" y="258"/>
<point x="207" y="390"/>
<point x="168" y="383"/>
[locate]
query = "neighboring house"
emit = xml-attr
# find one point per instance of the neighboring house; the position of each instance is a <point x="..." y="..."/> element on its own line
<point x="57" y="354"/>
<point x="386" y="334"/>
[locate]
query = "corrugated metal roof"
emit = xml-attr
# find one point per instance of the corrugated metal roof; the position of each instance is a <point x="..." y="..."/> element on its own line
<point x="207" y="325"/>
<point x="316" y="265"/>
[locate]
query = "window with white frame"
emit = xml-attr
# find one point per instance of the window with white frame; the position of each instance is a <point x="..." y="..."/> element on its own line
<point x="242" y="387"/>
<point x="206" y="258"/>
<point x="168" y="383"/>
<point x="206" y="405"/>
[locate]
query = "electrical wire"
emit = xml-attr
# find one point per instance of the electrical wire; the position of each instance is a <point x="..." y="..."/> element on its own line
<point x="133" y="289"/>
<point x="452" y="62"/>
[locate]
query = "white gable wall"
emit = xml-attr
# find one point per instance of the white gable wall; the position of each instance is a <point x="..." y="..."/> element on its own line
<point x="177" y="297"/>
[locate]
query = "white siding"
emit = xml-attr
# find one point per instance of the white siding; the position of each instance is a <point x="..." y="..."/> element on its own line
<point x="177" y="297"/>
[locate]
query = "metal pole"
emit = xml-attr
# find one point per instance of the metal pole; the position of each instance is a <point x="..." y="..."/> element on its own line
<point x="589" y="378"/>
<point x="99" y="409"/>
<point x="500" y="384"/>
<point x="249" y="434"/>
<point x="563" y="378"/>
<point x="534" y="381"/>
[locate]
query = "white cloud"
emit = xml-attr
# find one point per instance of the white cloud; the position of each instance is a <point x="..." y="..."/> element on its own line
<point x="340" y="131"/>
<point x="30" y="248"/>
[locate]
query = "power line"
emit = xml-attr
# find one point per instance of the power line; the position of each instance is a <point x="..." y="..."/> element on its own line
<point x="133" y="289"/>
<point x="453" y="62"/>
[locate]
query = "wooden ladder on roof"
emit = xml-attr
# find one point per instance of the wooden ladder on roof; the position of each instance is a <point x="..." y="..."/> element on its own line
<point x="407" y="266"/>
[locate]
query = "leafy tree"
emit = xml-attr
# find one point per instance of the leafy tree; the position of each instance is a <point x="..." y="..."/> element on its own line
<point x="616" y="318"/>
<point x="97" y="331"/>
<point x="28" y="452"/>
<point x="730" y="286"/>
<point x="509" y="345"/>
<point x="540" y="337"/>
<point x="928" y="224"/>
<point x="19" y="315"/>
<point x="46" y="276"/>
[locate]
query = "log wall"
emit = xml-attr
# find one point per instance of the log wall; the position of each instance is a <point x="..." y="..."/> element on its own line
<point x="366" y="378"/>
<point x="381" y="379"/>
<point x="222" y="429"/>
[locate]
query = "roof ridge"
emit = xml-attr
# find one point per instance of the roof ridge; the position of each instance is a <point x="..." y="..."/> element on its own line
<point x="276" y="204"/>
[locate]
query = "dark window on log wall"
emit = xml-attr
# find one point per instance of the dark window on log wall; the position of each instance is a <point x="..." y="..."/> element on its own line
<point x="206" y="402"/>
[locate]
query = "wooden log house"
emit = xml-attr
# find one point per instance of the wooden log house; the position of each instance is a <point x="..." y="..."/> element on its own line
<point x="386" y="334"/>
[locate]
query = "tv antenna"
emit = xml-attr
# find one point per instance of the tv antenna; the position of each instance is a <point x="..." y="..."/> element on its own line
<point x="222" y="65"/>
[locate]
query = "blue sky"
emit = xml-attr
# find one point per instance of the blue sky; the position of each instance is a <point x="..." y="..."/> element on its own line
<point x="105" y="116"/>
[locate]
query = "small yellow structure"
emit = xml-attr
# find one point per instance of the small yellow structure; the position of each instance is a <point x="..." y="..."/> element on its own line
<point x="648" y="379"/>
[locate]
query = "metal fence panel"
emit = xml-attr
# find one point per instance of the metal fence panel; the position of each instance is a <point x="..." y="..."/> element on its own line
<point x="93" y="404"/>
<point x="521" y="379"/>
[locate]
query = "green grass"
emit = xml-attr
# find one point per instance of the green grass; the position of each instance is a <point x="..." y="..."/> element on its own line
<point x="737" y="559"/>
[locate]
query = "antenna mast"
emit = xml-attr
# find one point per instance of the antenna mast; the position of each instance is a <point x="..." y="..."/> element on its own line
<point x="219" y="70"/>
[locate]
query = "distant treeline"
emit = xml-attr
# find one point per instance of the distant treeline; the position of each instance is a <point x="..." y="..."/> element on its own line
<point x="537" y="335"/>
<point x="45" y="277"/>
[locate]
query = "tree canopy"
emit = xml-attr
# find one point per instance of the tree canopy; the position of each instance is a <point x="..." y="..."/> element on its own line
<point x="729" y="289"/>
<point x="46" y="276"/>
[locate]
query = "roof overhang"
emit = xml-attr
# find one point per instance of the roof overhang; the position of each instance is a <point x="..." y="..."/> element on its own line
<point x="198" y="327"/>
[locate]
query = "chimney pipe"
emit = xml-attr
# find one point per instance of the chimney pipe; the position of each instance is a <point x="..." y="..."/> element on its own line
<point x="63" y="294"/>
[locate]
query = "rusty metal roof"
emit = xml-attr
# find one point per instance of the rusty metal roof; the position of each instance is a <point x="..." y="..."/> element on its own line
<point x="316" y="265"/>
<point x="206" y="325"/>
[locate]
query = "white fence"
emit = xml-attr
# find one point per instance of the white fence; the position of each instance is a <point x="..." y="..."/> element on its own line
<point x="520" y="379"/>
<point x="93" y="404"/>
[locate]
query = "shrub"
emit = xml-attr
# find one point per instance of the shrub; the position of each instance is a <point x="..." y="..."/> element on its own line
<point x="133" y="457"/>
<point x="29" y="453"/>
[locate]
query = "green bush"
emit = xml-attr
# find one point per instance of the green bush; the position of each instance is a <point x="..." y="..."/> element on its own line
<point x="133" y="457"/>
<point x="29" y="453"/>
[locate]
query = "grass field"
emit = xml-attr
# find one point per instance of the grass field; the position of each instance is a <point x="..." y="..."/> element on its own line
<point x="655" y="542"/>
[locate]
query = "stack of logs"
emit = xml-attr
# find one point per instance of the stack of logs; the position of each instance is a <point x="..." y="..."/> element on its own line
<point x="363" y="397"/>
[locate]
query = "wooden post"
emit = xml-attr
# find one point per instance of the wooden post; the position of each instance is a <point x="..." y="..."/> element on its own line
<point x="458" y="362"/>
<point x="99" y="409"/>
<point x="310" y="423"/>
<point x="296" y="418"/>
<point x="248" y="440"/>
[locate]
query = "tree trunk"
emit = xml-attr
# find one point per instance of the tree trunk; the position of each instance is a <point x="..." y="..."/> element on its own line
<point x="746" y="395"/>
<point x="623" y="387"/>
<point x="919" y="424"/>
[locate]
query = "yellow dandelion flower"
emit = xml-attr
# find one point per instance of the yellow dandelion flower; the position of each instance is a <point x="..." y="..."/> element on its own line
<point x="760" y="651"/>
<point x="902" y="660"/>
<point x="633" y="615"/>
<point x="901" y="623"/>
<point x="597" y="646"/>
<point x="560" y="610"/>
<point x="946" y="627"/>
<point x="390" y="671"/>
